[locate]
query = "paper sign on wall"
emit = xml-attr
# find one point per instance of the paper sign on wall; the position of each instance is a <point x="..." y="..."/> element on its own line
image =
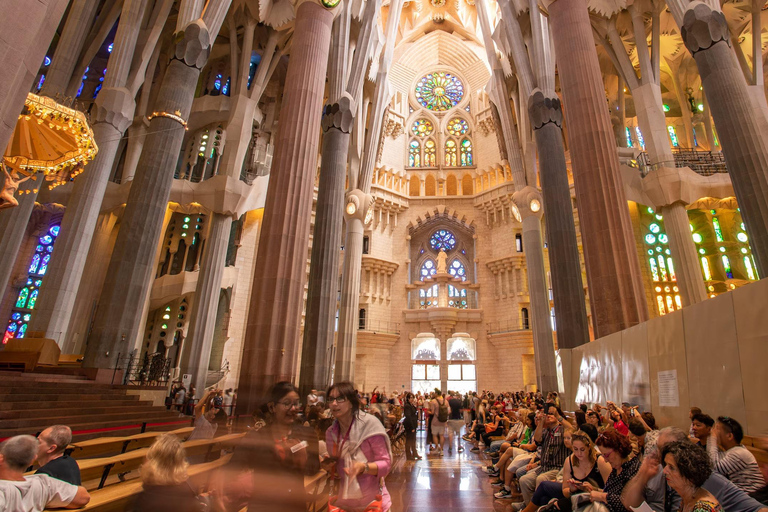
<point x="668" y="394"/>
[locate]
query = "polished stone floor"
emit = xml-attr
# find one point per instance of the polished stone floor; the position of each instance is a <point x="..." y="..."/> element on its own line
<point x="443" y="483"/>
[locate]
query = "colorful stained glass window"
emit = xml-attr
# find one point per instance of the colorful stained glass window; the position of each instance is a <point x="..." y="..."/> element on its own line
<point x="422" y="128"/>
<point x="640" y="139"/>
<point x="705" y="268"/>
<point x="35" y="261"/>
<point x="32" y="299"/>
<point x="672" y="135"/>
<point x="451" y="159"/>
<point x="439" y="91"/>
<point x="727" y="266"/>
<point x="629" y="137"/>
<point x="44" y="264"/>
<point x="430" y="154"/>
<point x="414" y="154"/>
<point x="457" y="126"/>
<point x="660" y="304"/>
<point x="654" y="269"/>
<point x="670" y="304"/>
<point x="748" y="266"/>
<point x="428" y="268"/>
<point x="457" y="270"/>
<point x="457" y="298"/>
<point x="663" y="269"/>
<point x="442" y="239"/>
<point x="428" y="299"/>
<point x="21" y="302"/>
<point x="718" y="231"/>
<point x="466" y="152"/>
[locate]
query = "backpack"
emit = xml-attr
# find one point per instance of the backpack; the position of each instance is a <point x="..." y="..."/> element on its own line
<point x="442" y="412"/>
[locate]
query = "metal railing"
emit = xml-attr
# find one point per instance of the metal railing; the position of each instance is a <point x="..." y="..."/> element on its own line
<point x="378" y="326"/>
<point x="705" y="163"/>
<point x="504" y="327"/>
<point x="151" y="370"/>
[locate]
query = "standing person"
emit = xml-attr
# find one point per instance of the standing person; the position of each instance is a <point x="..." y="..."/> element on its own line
<point x="360" y="451"/>
<point x="165" y="483"/>
<point x="53" y="441"/>
<point x="205" y="424"/>
<point x="429" y="417"/>
<point x="686" y="468"/>
<point x="410" y="424"/>
<point x="272" y="461"/>
<point x="440" y="414"/>
<point x="455" y="422"/>
<point x="179" y="397"/>
<point x="228" y="399"/>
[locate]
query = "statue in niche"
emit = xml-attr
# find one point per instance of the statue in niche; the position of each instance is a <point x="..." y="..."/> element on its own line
<point x="11" y="185"/>
<point x="441" y="260"/>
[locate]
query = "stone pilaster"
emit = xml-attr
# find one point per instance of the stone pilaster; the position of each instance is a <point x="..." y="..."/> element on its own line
<point x="567" y="287"/>
<point x="326" y="240"/>
<point x="743" y="129"/>
<point x="131" y="267"/>
<point x="687" y="267"/>
<point x="112" y="114"/>
<point x="271" y="342"/>
<point x="205" y="304"/>
<point x="528" y="201"/>
<point x="616" y="292"/>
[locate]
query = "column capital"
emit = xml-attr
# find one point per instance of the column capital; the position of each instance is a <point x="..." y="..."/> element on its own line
<point x="528" y="202"/>
<point x="339" y="115"/>
<point x="358" y="206"/>
<point x="329" y="5"/>
<point x="703" y="27"/>
<point x="193" y="45"/>
<point x="544" y="110"/>
<point x="116" y="106"/>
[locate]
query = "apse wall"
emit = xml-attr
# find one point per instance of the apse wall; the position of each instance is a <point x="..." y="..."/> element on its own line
<point x="717" y="348"/>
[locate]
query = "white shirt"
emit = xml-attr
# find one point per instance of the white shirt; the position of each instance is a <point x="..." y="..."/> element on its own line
<point x="35" y="493"/>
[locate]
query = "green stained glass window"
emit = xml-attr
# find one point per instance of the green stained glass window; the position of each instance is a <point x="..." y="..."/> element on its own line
<point x="422" y="128"/>
<point x="22" y="300"/>
<point x="439" y="91"/>
<point x="466" y="153"/>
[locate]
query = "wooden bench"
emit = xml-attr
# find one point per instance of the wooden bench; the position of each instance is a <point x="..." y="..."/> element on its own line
<point x="117" y="498"/>
<point x="758" y="446"/>
<point x="116" y="445"/>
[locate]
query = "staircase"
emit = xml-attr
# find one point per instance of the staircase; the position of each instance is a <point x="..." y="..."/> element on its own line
<point x="30" y="402"/>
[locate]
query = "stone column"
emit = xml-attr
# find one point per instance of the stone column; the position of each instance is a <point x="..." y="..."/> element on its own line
<point x="687" y="267"/>
<point x="271" y="342"/>
<point x="132" y="265"/>
<point x="567" y="287"/>
<point x="346" y="344"/>
<point x="326" y="240"/>
<point x="528" y="201"/>
<point x="742" y="128"/>
<point x="112" y="114"/>
<point x="206" y="301"/>
<point x="616" y="292"/>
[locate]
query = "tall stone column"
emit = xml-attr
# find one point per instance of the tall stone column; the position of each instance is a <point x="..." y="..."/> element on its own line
<point x="132" y="265"/>
<point x="687" y="268"/>
<point x="567" y="287"/>
<point x="743" y="130"/>
<point x="205" y="303"/>
<point x="346" y="345"/>
<point x="323" y="276"/>
<point x="272" y="333"/>
<point x="112" y="114"/>
<point x="616" y="292"/>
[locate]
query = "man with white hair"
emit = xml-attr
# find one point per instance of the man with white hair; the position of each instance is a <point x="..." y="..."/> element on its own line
<point x="33" y="493"/>
<point x="53" y="441"/>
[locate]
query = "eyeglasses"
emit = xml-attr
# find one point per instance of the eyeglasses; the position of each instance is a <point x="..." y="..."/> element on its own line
<point x="338" y="399"/>
<point x="289" y="405"/>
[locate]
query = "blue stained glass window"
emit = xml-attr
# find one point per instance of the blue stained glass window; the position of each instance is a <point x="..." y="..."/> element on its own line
<point x="35" y="264"/>
<point x="82" y="84"/>
<point x="428" y="268"/>
<point x="225" y="89"/>
<point x="22" y="331"/>
<point x="39" y="248"/>
<point x="32" y="299"/>
<point x="12" y="327"/>
<point x="44" y="265"/>
<point x="45" y="240"/>
<point x="16" y="316"/>
<point x="49" y="248"/>
<point x="41" y="82"/>
<point x="457" y="270"/>
<point x="629" y="137"/>
<point x="47" y="61"/>
<point x="55" y="230"/>
<point x="109" y="48"/>
<point x="442" y="239"/>
<point x="217" y="83"/>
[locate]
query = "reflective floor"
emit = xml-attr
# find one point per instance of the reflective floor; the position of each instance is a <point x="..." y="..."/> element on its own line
<point x="445" y="483"/>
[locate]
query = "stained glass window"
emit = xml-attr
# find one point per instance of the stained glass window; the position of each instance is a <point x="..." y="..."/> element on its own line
<point x="654" y="269"/>
<point x="457" y="270"/>
<point x="748" y="266"/>
<point x="672" y="135"/>
<point x="670" y="304"/>
<point x="727" y="267"/>
<point x="466" y="152"/>
<point x="451" y="159"/>
<point x="705" y="268"/>
<point x="439" y="91"/>
<point x="663" y="269"/>
<point x="629" y="137"/>
<point x="28" y="295"/>
<point x="442" y="239"/>
<point x="457" y="126"/>
<point x="457" y="298"/>
<point x="414" y="154"/>
<point x="671" y="269"/>
<point x="660" y="304"/>
<point x="428" y="297"/>
<point x="430" y="154"/>
<point x="718" y="231"/>
<point x="428" y="269"/>
<point x="422" y="128"/>
<point x="640" y="137"/>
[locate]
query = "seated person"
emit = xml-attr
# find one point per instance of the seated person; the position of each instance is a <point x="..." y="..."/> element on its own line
<point x="650" y="484"/>
<point x="32" y="493"/>
<point x="518" y="454"/>
<point x="617" y="450"/>
<point x="619" y="419"/>
<point x="731" y="459"/>
<point x="51" y="458"/>
<point x="702" y="427"/>
<point x="686" y="468"/>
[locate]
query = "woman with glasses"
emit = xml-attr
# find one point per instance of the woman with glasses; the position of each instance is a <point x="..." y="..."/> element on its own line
<point x="616" y="449"/>
<point x="359" y="449"/>
<point x="686" y="468"/>
<point x="268" y="467"/>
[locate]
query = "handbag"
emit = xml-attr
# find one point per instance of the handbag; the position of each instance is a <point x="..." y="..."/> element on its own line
<point x="375" y="506"/>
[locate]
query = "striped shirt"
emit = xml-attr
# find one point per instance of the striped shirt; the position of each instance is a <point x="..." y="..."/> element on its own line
<point x="553" y="450"/>
<point x="738" y="465"/>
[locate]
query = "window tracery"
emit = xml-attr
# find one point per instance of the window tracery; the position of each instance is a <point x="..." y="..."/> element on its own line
<point x="439" y="91"/>
<point x="442" y="239"/>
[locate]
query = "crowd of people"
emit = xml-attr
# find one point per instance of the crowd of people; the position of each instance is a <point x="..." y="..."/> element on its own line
<point x="603" y="458"/>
